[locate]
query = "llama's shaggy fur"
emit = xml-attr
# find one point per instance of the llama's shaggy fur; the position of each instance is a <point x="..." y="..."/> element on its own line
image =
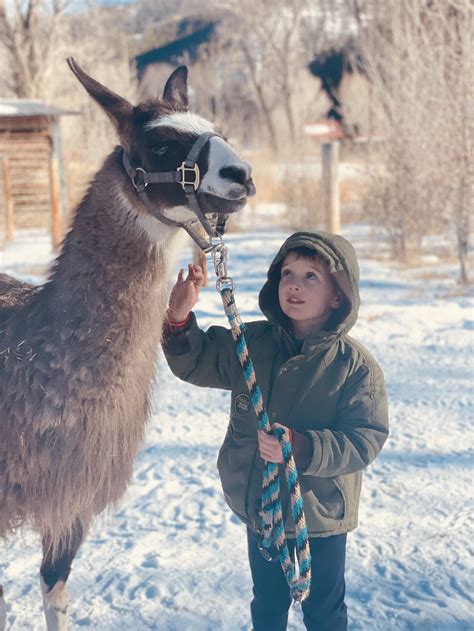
<point x="76" y="361"/>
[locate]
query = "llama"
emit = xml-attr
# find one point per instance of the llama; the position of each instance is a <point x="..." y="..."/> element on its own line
<point x="77" y="354"/>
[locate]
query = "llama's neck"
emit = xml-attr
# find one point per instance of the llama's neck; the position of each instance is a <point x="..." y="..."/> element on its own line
<point x="113" y="250"/>
<point x="111" y="278"/>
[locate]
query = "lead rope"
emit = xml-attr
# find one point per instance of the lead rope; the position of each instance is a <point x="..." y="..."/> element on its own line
<point x="273" y="534"/>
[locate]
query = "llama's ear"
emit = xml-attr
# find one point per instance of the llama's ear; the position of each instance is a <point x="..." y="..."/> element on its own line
<point x="117" y="108"/>
<point x="176" y="88"/>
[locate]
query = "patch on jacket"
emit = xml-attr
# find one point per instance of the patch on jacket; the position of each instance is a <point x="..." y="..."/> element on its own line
<point x="242" y="404"/>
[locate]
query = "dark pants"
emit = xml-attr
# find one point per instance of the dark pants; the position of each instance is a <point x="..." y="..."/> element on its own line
<point x="323" y="610"/>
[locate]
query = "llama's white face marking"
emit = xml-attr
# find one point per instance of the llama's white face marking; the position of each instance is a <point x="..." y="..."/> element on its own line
<point x="221" y="156"/>
<point x="186" y="122"/>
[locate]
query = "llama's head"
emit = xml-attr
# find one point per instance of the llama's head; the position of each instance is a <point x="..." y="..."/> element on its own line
<point x="157" y="136"/>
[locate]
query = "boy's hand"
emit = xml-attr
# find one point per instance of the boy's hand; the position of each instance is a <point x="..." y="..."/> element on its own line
<point x="269" y="446"/>
<point x="185" y="293"/>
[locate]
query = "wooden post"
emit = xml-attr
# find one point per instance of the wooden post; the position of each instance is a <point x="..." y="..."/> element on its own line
<point x="330" y="186"/>
<point x="57" y="185"/>
<point x="7" y="193"/>
<point x="55" y="201"/>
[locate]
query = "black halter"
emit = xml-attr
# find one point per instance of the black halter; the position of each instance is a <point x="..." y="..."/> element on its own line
<point x="141" y="178"/>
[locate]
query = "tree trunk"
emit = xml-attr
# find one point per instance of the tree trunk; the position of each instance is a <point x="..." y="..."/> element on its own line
<point x="462" y="255"/>
<point x="267" y="117"/>
<point x="462" y="231"/>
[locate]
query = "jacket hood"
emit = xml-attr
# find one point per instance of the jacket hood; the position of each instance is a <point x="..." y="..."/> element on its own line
<point x="341" y="259"/>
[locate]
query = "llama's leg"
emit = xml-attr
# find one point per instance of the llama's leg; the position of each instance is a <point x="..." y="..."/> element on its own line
<point x="53" y="576"/>
<point x="3" y="611"/>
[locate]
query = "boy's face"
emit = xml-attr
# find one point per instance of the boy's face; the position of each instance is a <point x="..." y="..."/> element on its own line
<point x="307" y="293"/>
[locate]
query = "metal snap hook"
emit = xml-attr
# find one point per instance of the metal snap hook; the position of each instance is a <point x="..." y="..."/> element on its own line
<point x="220" y="260"/>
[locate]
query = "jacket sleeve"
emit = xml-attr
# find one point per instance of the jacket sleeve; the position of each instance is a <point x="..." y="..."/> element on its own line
<point x="360" y="430"/>
<point x="201" y="358"/>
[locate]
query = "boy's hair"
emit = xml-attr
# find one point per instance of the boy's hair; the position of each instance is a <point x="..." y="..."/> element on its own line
<point x="306" y="253"/>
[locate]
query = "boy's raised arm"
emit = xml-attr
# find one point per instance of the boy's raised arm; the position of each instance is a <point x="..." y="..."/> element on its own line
<point x="198" y="357"/>
<point x="203" y="358"/>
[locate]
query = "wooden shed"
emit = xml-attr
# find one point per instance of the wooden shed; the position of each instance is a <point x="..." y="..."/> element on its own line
<point x="31" y="174"/>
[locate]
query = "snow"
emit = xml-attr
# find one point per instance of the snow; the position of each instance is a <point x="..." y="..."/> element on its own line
<point x="172" y="557"/>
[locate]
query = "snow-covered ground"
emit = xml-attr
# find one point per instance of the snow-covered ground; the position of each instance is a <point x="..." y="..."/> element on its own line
<point x="172" y="558"/>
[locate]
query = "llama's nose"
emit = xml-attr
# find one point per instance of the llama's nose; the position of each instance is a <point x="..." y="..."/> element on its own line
<point x="236" y="173"/>
<point x="240" y="174"/>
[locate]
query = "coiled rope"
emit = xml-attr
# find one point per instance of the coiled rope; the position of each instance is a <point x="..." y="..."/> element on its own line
<point x="273" y="534"/>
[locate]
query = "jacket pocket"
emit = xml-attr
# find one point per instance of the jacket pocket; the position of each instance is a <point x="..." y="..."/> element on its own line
<point x="325" y="496"/>
<point x="350" y="487"/>
<point x="235" y="464"/>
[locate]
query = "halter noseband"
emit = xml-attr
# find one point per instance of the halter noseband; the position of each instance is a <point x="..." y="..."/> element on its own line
<point x="141" y="178"/>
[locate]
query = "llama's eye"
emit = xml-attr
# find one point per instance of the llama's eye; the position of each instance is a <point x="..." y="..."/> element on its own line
<point x="160" y="150"/>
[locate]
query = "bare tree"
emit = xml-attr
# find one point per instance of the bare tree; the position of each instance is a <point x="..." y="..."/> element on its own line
<point x="419" y="60"/>
<point x="27" y="31"/>
<point x="265" y="39"/>
<point x="459" y="80"/>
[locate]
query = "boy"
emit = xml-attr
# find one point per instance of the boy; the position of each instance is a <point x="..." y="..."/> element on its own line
<point x="316" y="381"/>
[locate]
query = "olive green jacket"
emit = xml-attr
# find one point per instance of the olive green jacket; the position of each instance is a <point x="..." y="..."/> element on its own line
<point x="332" y="390"/>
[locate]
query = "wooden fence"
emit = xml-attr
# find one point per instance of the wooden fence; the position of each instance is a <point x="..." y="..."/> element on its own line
<point x="30" y="180"/>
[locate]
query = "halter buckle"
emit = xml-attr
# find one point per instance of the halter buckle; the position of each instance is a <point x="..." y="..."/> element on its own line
<point x="183" y="170"/>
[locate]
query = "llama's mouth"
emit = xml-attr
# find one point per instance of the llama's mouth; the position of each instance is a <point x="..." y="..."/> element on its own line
<point x="213" y="204"/>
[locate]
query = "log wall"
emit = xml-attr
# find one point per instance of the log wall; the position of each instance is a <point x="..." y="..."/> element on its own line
<point x="27" y="144"/>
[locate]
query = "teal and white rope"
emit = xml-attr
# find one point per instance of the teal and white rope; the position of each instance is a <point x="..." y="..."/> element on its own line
<point x="272" y="517"/>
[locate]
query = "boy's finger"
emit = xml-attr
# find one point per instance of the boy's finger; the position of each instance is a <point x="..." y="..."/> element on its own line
<point x="197" y="276"/>
<point x="180" y="275"/>
<point x="266" y="441"/>
<point x="197" y="271"/>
